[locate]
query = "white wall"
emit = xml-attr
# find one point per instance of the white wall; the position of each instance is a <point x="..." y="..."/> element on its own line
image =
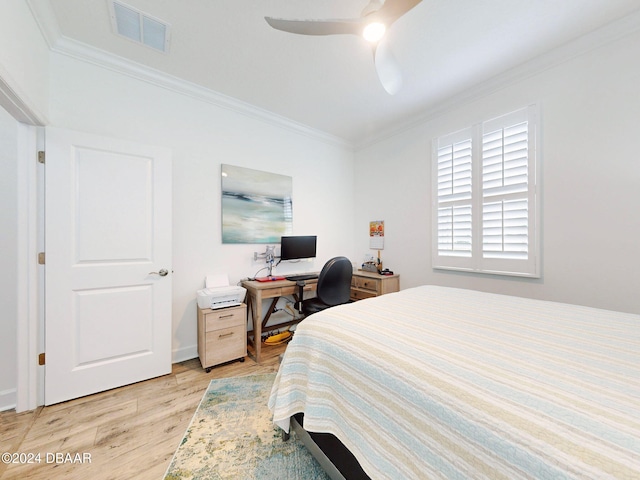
<point x="202" y="137"/>
<point x="8" y="265"/>
<point x="590" y="178"/>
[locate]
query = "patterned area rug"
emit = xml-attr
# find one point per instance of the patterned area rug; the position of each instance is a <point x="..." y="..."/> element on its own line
<point x="231" y="436"/>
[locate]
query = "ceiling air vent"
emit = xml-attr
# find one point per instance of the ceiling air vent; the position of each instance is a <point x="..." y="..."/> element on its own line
<point x="140" y="27"/>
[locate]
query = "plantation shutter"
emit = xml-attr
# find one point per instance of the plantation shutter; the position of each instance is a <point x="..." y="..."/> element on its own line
<point x="505" y="185"/>
<point x="485" y="197"/>
<point x="453" y="212"/>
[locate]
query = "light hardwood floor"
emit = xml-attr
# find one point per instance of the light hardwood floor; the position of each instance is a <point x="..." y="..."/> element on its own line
<point x="130" y="432"/>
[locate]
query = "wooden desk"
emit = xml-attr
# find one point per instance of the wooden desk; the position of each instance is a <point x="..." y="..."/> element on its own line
<point x="363" y="285"/>
<point x="258" y="291"/>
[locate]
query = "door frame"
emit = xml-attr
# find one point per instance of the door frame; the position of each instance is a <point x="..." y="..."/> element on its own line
<point x="30" y="234"/>
<point x="30" y="278"/>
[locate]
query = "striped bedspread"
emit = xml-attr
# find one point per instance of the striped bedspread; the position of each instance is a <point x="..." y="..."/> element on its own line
<point x="435" y="382"/>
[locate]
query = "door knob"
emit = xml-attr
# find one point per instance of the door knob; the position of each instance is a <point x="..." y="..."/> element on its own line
<point x="163" y="273"/>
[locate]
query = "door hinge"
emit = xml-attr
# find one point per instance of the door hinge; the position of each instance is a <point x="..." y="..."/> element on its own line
<point x="41" y="156"/>
<point x="41" y="359"/>
<point x="41" y="258"/>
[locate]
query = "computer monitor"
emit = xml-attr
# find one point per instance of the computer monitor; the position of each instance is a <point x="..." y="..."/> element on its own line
<point x="296" y="247"/>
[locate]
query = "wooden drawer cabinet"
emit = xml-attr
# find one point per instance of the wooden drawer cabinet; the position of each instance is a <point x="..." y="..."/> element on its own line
<point x="369" y="284"/>
<point x="222" y="335"/>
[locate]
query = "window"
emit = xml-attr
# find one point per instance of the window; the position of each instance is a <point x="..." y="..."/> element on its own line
<point x="485" y="197"/>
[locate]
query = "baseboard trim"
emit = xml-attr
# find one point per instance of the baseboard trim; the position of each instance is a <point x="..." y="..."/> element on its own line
<point x="8" y="399"/>
<point x="184" y="354"/>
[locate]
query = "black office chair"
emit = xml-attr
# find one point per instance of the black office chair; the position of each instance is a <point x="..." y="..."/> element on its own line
<point x="334" y="286"/>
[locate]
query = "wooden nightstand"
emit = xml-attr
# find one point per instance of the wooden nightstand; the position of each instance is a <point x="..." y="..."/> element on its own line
<point x="222" y="335"/>
<point x="370" y="284"/>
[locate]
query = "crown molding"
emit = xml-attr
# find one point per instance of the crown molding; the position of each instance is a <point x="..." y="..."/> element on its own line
<point x="100" y="58"/>
<point x="589" y="42"/>
<point x="45" y="17"/>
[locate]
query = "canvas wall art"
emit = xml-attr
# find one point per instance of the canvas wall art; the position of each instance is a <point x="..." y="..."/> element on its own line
<point x="256" y="205"/>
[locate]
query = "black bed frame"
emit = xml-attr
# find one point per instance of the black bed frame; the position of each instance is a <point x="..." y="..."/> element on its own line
<point x="336" y="460"/>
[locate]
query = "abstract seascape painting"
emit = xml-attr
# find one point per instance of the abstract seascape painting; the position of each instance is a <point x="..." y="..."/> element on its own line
<point x="256" y="205"/>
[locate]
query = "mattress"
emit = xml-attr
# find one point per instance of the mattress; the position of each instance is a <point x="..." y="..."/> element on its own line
<point x="435" y="382"/>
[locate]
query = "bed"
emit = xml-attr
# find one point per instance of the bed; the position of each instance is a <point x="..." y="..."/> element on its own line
<point x="436" y="382"/>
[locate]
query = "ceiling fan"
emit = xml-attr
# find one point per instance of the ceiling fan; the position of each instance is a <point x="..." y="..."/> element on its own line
<point x="375" y="20"/>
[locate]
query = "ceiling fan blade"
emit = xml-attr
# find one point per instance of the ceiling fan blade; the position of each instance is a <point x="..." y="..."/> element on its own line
<point x="388" y="69"/>
<point x="316" y="27"/>
<point x="392" y="10"/>
<point x="372" y="6"/>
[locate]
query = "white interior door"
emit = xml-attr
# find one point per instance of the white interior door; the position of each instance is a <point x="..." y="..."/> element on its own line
<point x="107" y="229"/>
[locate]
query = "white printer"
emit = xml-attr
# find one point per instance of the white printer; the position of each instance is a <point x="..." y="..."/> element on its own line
<point x="219" y="294"/>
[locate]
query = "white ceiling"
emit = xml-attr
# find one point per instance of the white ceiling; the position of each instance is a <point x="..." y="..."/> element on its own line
<point x="329" y="84"/>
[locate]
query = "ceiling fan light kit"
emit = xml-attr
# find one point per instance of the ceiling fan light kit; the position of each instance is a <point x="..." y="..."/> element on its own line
<point x="374" y="32"/>
<point x="375" y="20"/>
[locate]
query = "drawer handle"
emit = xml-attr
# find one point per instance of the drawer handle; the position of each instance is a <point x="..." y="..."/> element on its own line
<point x="226" y="316"/>
<point x="222" y="335"/>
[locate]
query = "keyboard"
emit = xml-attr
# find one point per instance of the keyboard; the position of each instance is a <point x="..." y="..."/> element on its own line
<point x="268" y="279"/>
<point x="303" y="276"/>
